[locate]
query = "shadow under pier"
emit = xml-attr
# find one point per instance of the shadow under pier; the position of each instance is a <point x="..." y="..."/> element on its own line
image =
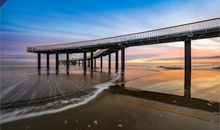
<point x="184" y="101"/>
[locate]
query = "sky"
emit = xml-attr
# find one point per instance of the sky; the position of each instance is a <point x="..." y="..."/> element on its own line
<point x="38" y="22"/>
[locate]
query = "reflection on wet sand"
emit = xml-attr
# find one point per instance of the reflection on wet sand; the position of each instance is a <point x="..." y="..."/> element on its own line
<point x="186" y="100"/>
<point x="147" y="98"/>
<point x="51" y="86"/>
<point x="170" y="99"/>
<point x="203" y="83"/>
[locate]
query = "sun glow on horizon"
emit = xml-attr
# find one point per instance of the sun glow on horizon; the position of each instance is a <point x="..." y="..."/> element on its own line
<point x="214" y="60"/>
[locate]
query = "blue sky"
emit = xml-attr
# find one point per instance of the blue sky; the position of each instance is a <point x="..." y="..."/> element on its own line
<point x="37" y="22"/>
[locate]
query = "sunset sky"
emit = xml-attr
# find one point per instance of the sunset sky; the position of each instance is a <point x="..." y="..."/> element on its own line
<point x="38" y="22"/>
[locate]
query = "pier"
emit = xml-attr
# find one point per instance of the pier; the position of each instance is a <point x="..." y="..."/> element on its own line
<point x="98" y="48"/>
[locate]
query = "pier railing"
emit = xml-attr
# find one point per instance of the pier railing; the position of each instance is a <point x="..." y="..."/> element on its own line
<point x="190" y="27"/>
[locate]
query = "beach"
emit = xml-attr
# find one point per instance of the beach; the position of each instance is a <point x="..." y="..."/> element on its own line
<point x="111" y="111"/>
<point x="138" y="100"/>
<point x="110" y="65"/>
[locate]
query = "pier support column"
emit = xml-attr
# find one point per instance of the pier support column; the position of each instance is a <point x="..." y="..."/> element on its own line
<point x="84" y="61"/>
<point x="122" y="60"/>
<point x="48" y="61"/>
<point x="95" y="63"/>
<point x="88" y="63"/>
<point x="79" y="62"/>
<point x="187" y="79"/>
<point x="67" y="61"/>
<point x="116" y="61"/>
<point x="91" y="61"/>
<point x="109" y="62"/>
<point x="39" y="61"/>
<point x="57" y="62"/>
<point x="101" y="63"/>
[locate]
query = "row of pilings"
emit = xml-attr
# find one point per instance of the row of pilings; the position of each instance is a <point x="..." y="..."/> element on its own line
<point x="86" y="62"/>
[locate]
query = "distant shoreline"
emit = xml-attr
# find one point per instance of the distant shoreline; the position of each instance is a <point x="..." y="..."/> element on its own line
<point x="171" y="67"/>
<point x="216" y="68"/>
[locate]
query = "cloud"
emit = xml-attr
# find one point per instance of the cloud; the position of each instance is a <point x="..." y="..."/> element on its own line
<point x="139" y="56"/>
<point x="16" y="56"/>
<point x="194" y="57"/>
<point x="22" y="30"/>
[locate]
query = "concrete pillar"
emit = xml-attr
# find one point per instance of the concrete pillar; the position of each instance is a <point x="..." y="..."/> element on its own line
<point x="88" y="63"/>
<point x="67" y="61"/>
<point x="57" y="62"/>
<point x="109" y="61"/>
<point x="116" y="61"/>
<point x="48" y="61"/>
<point x="95" y="63"/>
<point x="187" y="79"/>
<point x="79" y="62"/>
<point x="39" y="61"/>
<point x="91" y="61"/>
<point x="122" y="80"/>
<point x="101" y="63"/>
<point x="84" y="61"/>
<point x="122" y="59"/>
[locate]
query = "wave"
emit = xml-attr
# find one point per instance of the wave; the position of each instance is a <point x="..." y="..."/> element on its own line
<point x="13" y="114"/>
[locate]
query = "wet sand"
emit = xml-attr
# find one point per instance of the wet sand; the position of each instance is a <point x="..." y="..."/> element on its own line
<point x="153" y="98"/>
<point x="116" y="111"/>
<point x="44" y="86"/>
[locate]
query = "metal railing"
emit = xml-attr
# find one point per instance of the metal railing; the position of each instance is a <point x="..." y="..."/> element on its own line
<point x="190" y="27"/>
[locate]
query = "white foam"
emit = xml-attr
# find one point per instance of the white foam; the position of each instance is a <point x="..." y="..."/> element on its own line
<point x="25" y="112"/>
